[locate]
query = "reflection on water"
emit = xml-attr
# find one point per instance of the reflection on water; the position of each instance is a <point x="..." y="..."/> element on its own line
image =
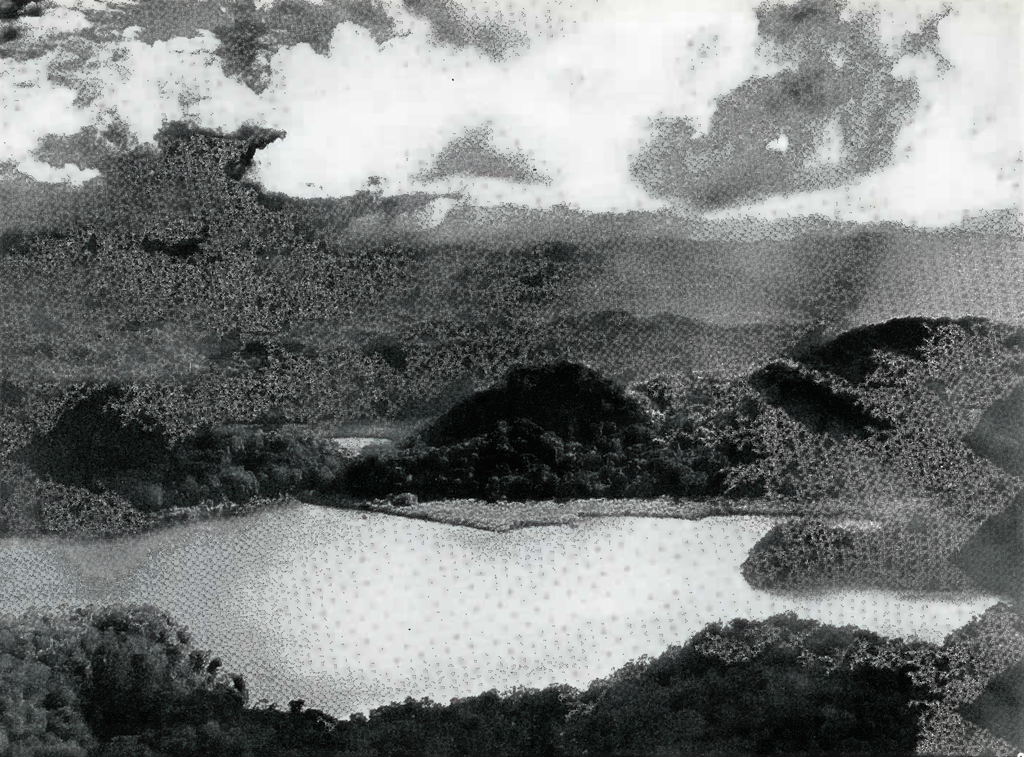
<point x="350" y="610"/>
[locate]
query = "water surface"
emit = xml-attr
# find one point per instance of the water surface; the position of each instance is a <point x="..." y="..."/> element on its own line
<point x="350" y="610"/>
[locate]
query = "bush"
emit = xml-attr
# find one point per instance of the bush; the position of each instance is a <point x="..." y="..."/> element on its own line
<point x="551" y="455"/>
<point x="807" y="554"/>
<point x="563" y="398"/>
<point x="239" y="484"/>
<point x="241" y="465"/>
<point x="127" y="681"/>
<point x="373" y="477"/>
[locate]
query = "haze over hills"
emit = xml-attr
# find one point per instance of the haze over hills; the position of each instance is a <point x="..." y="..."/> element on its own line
<point x="728" y="271"/>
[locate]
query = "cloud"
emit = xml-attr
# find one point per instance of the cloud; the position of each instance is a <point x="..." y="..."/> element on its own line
<point x="254" y="35"/>
<point x="155" y="22"/>
<point x="10" y="12"/>
<point x="249" y="34"/>
<point x="961" y="151"/>
<point x="380" y="94"/>
<point x="31" y="106"/>
<point x="474" y="154"/>
<point x="452" y="25"/>
<point x="28" y="30"/>
<point x="836" y="105"/>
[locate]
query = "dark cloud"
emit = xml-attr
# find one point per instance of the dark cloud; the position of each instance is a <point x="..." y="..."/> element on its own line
<point x="315" y="24"/>
<point x="249" y="35"/>
<point x="253" y="35"/>
<point x="287" y="21"/>
<point x="11" y="11"/>
<point x="90" y="147"/>
<point x="925" y="41"/>
<point x="246" y="46"/>
<point x="837" y="84"/>
<point x="474" y="154"/>
<point x="157" y="22"/>
<point x="451" y="25"/>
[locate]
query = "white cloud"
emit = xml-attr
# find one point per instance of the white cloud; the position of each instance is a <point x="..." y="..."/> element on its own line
<point x="168" y="80"/>
<point x="577" y="103"/>
<point x="31" y="106"/>
<point x="955" y="154"/>
<point x="57" y="20"/>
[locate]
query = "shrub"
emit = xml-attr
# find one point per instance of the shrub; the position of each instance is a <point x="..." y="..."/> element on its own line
<point x="808" y="553"/>
<point x="239" y="484"/>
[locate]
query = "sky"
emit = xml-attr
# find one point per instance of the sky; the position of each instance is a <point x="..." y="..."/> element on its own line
<point x="901" y="111"/>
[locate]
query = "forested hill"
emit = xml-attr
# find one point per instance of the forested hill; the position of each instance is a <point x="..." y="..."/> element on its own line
<point x="173" y="265"/>
<point x="855" y="354"/>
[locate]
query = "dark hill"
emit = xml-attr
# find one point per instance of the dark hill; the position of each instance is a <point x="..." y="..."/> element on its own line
<point x="568" y="399"/>
<point x="814" y="402"/>
<point x="999" y="433"/>
<point x="851" y="354"/>
<point x="93" y="440"/>
<point x="993" y="558"/>
<point x="1000" y="708"/>
<point x="559" y="431"/>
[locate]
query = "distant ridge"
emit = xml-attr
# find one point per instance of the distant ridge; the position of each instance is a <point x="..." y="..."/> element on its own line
<point x="851" y="355"/>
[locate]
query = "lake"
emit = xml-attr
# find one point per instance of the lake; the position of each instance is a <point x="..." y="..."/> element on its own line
<point x="350" y="610"/>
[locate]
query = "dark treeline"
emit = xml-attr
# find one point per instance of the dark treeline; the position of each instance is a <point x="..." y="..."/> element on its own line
<point x="898" y="445"/>
<point x="551" y="432"/>
<point x="563" y="431"/>
<point x="558" y="431"/>
<point x="127" y="681"/>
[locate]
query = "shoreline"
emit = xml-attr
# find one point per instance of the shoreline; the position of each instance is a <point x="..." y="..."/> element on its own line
<point x="505" y="516"/>
<point x="496" y="517"/>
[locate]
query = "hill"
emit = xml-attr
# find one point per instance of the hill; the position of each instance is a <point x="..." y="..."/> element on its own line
<point x="557" y="431"/>
<point x="918" y="421"/>
<point x="569" y="400"/>
<point x="994" y="556"/>
<point x="853" y="355"/>
<point x="128" y="680"/>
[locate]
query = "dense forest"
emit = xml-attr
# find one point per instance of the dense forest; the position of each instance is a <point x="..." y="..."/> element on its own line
<point x="127" y="680"/>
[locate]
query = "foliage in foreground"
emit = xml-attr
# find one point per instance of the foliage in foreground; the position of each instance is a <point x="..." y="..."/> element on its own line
<point x="127" y="681"/>
<point x="69" y="683"/>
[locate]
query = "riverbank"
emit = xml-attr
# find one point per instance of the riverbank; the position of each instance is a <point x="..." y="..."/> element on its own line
<point x="110" y="516"/>
<point x="501" y="517"/>
<point x="505" y="516"/>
